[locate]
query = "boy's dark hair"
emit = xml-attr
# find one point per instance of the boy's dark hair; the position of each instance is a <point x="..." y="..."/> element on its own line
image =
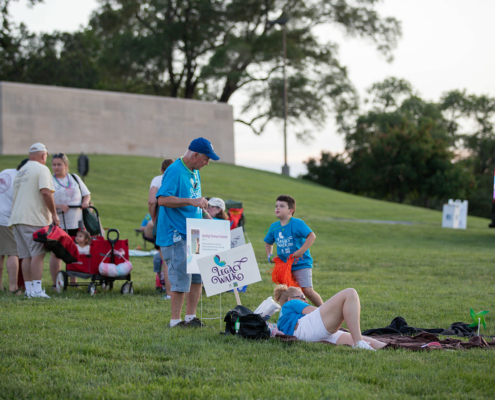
<point x="166" y="163"/>
<point x="291" y="202"/>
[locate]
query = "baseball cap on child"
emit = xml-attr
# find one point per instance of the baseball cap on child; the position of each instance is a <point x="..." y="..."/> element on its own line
<point x="203" y="146"/>
<point x="216" y="202"/>
<point x="37" y="147"/>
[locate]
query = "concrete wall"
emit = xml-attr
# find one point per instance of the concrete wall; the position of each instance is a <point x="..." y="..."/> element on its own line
<point x="74" y="120"/>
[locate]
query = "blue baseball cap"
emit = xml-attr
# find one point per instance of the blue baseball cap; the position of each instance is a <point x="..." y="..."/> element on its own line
<point x="203" y="146"/>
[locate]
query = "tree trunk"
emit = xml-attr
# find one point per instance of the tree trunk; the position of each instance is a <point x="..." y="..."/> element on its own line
<point x="228" y="90"/>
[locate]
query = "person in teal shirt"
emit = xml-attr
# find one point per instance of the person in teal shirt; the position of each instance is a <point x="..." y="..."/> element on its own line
<point x="179" y="198"/>
<point x="322" y="324"/>
<point x="293" y="236"/>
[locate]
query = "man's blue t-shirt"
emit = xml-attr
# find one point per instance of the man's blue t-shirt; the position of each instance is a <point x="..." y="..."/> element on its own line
<point x="290" y="313"/>
<point x="289" y="239"/>
<point x="178" y="181"/>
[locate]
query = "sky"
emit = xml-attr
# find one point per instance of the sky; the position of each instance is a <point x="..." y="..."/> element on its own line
<point x="446" y="45"/>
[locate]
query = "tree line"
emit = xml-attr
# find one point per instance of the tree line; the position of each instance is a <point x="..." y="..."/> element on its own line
<point x="409" y="150"/>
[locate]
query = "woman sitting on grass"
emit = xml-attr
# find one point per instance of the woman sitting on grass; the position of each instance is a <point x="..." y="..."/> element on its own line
<point x="315" y="324"/>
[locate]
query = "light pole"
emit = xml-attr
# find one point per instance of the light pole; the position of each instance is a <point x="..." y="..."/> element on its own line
<point x="283" y="22"/>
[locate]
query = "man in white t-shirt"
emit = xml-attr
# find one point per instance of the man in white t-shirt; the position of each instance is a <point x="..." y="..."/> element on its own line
<point x="8" y="247"/>
<point x="33" y="208"/>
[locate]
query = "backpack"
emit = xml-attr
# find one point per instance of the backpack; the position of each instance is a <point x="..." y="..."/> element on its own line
<point x="91" y="223"/>
<point x="249" y="324"/>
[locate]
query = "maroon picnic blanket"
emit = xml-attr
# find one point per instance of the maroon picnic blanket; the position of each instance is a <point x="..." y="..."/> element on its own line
<point x="424" y="341"/>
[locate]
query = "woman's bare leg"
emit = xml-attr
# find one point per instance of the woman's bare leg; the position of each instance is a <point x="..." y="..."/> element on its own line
<point x="346" y="338"/>
<point x="13" y="271"/>
<point x="344" y="306"/>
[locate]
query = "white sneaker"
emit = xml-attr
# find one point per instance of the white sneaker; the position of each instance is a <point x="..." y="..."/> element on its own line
<point x="41" y="294"/>
<point x="362" y="345"/>
<point x="27" y="294"/>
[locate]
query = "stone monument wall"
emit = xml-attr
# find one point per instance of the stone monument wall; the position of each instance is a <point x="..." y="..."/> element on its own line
<point x="78" y="120"/>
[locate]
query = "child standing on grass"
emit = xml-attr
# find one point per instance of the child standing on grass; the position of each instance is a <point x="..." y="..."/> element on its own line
<point x="293" y="236"/>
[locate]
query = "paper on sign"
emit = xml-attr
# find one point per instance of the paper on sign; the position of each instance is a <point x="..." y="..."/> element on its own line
<point x="237" y="237"/>
<point x="205" y="237"/>
<point x="233" y="268"/>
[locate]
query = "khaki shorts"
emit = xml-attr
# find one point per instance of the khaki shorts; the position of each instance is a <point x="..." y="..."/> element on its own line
<point x="26" y="246"/>
<point x="7" y="242"/>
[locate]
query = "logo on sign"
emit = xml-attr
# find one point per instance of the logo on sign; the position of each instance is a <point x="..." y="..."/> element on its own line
<point x="227" y="273"/>
<point x="218" y="262"/>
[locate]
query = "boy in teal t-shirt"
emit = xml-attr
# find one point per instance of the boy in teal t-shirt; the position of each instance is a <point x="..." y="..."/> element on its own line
<point x="293" y="236"/>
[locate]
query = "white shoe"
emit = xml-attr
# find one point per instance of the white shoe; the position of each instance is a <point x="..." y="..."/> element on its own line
<point x="362" y="345"/>
<point x="27" y="294"/>
<point x="41" y="294"/>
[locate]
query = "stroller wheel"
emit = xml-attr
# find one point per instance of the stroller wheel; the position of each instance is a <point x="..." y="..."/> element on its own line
<point x="127" y="288"/>
<point x="92" y="288"/>
<point x="62" y="281"/>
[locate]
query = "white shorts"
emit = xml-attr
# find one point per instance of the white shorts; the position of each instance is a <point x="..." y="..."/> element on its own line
<point x="311" y="329"/>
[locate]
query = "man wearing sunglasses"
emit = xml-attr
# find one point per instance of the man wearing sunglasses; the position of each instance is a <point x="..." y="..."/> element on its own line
<point x="33" y="208"/>
<point x="180" y="198"/>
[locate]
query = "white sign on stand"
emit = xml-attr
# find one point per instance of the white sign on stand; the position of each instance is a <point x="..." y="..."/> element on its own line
<point x="229" y="270"/>
<point x="450" y="217"/>
<point x="463" y="210"/>
<point x="205" y="237"/>
<point x="237" y="237"/>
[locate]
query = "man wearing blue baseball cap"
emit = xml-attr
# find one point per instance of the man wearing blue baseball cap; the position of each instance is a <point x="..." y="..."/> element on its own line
<point x="179" y="198"/>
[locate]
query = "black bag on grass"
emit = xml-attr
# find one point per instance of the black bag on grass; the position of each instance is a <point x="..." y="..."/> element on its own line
<point x="249" y="324"/>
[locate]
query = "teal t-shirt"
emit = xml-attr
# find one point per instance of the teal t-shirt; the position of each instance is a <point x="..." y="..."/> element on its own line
<point x="289" y="239"/>
<point x="290" y="313"/>
<point x="178" y="181"/>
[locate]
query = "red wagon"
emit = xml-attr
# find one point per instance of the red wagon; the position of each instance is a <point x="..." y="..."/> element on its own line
<point x="88" y="264"/>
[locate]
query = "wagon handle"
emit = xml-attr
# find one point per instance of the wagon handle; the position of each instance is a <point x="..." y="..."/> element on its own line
<point x="112" y="242"/>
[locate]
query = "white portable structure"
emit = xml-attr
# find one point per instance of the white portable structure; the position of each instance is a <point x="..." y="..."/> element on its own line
<point x="455" y="214"/>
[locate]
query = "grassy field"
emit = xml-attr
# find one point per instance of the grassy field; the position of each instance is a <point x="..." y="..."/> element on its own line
<point x="111" y="346"/>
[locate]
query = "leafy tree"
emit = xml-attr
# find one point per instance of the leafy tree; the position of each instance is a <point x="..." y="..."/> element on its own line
<point x="387" y="94"/>
<point x="478" y="146"/>
<point x="13" y="38"/>
<point x="400" y="154"/>
<point x="332" y="170"/>
<point x="62" y="59"/>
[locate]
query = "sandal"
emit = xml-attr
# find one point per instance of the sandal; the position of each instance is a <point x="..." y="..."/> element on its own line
<point x="17" y="292"/>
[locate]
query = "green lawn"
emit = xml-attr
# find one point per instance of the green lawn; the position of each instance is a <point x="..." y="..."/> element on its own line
<point x="110" y="346"/>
